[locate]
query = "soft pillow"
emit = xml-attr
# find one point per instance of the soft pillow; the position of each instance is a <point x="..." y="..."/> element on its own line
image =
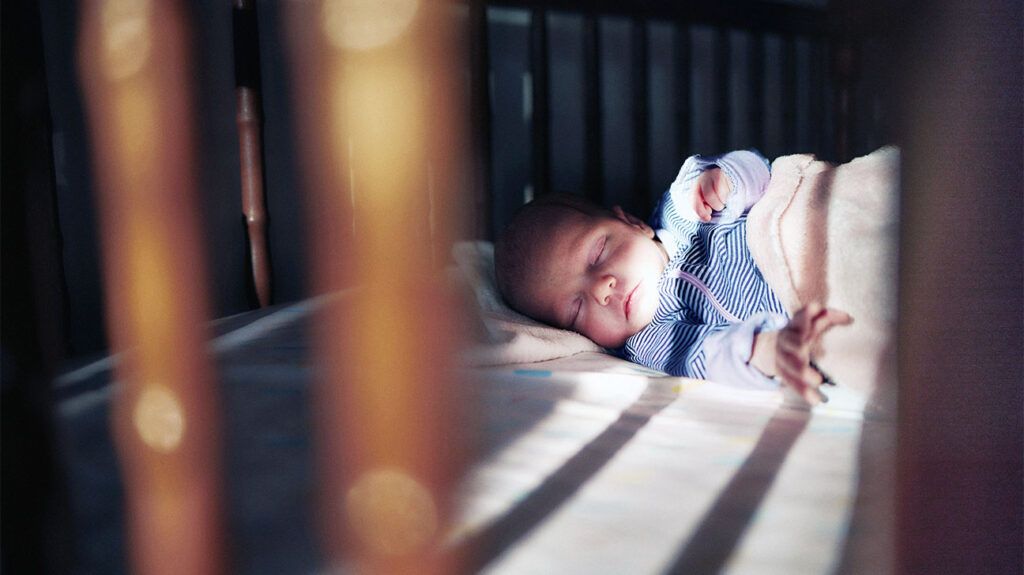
<point x="510" y="337"/>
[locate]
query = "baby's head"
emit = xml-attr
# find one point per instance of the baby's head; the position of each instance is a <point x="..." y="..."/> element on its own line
<point x="574" y="265"/>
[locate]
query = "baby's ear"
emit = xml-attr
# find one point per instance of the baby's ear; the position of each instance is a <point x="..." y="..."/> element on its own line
<point x="633" y="221"/>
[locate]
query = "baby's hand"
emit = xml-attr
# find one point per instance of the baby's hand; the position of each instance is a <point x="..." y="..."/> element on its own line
<point x="710" y="192"/>
<point x="794" y="344"/>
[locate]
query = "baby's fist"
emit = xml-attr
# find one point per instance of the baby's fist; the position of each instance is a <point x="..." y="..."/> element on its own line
<point x="710" y="193"/>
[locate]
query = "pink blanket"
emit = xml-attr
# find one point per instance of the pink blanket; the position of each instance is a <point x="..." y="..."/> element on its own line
<point x="829" y="233"/>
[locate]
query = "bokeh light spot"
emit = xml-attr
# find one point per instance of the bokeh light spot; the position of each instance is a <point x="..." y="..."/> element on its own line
<point x="127" y="37"/>
<point x="159" y="418"/>
<point x="392" y="513"/>
<point x="366" y="24"/>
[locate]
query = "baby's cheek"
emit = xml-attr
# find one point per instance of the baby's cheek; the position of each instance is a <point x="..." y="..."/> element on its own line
<point x="602" y="331"/>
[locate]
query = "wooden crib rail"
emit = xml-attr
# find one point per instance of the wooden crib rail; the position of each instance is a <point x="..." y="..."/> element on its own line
<point x="250" y="143"/>
<point x="753" y="14"/>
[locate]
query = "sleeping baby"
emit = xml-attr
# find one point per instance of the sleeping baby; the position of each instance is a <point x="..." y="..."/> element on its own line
<point x="680" y="293"/>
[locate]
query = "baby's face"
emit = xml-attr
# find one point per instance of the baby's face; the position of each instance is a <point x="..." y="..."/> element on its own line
<point x="598" y="276"/>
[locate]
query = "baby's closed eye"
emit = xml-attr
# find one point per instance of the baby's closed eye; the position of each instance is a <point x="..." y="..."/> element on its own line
<point x="598" y="250"/>
<point x="574" y="314"/>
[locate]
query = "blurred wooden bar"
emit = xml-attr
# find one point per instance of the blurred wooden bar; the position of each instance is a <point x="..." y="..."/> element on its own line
<point x="381" y="148"/>
<point x="480" y="124"/>
<point x="249" y="118"/>
<point x="960" y="457"/>
<point x="135" y="71"/>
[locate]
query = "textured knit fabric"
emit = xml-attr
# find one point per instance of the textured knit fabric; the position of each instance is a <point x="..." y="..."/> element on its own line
<point x="712" y="297"/>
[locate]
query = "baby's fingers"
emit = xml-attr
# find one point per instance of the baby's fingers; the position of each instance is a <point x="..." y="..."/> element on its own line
<point x="712" y="196"/>
<point x="721" y="188"/>
<point x="805" y="380"/>
<point x="700" y="207"/>
<point x="814" y="319"/>
<point x="825" y="320"/>
<point x="803" y="318"/>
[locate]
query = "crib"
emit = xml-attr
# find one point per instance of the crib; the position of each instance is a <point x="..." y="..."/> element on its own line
<point x="280" y="439"/>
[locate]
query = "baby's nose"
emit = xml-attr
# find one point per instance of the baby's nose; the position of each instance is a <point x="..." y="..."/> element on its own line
<point x="603" y="289"/>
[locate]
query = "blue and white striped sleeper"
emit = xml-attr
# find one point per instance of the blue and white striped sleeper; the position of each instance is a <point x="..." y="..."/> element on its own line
<point x="712" y="297"/>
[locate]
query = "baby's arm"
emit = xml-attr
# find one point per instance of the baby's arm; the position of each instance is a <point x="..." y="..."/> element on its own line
<point x="720" y="188"/>
<point x="720" y="352"/>
<point x="787" y="352"/>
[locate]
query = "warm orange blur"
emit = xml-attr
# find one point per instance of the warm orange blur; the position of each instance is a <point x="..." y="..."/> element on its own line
<point x="377" y="99"/>
<point x="133" y="64"/>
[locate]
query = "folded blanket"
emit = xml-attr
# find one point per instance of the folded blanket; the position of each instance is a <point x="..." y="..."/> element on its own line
<point x="828" y="233"/>
<point x="506" y="336"/>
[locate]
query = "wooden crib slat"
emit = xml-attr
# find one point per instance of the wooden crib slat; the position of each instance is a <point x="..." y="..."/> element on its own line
<point x="135" y="71"/>
<point x="449" y="142"/>
<point x="682" y="64"/>
<point x="845" y="62"/>
<point x="249" y="118"/>
<point x="594" y="179"/>
<point x="755" y="97"/>
<point x="723" y="65"/>
<point x="817" y="113"/>
<point x="480" y="102"/>
<point x="789" y="91"/>
<point x="641" y="118"/>
<point x="540" y="125"/>
<point x="387" y="437"/>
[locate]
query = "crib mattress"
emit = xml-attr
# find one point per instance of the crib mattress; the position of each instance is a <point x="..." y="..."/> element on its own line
<point x="584" y="464"/>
